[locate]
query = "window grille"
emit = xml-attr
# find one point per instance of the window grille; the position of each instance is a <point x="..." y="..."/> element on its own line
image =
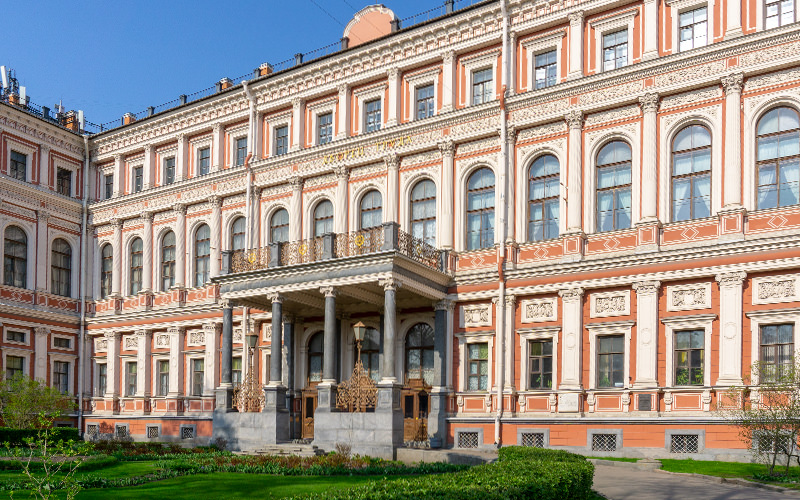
<point x="92" y="430"/>
<point x="684" y="443"/>
<point x="604" y="442"/>
<point x="122" y="431"/>
<point x="533" y="439"/>
<point x="152" y="431"/>
<point x="467" y="439"/>
<point x="187" y="432"/>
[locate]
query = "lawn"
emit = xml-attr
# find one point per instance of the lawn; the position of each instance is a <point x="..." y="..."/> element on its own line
<point x="115" y="471"/>
<point x="728" y="470"/>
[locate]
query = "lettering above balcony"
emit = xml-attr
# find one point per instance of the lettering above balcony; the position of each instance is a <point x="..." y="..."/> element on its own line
<point x="368" y="150"/>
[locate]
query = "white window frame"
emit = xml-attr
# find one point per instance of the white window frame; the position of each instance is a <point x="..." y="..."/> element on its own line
<point x="673" y="324"/>
<point x="55" y="336"/>
<point x="26" y="354"/>
<point x="590" y="180"/>
<point x="26" y="331"/>
<point x="30" y="259"/>
<point x="131" y="178"/>
<point x="29" y="152"/>
<point x="422" y="79"/>
<point x="96" y="378"/>
<point x="316" y="110"/>
<point x="761" y="14"/>
<point x="375" y="92"/>
<point x="75" y="248"/>
<point x="538" y="333"/>
<point x="195" y="146"/>
<point x="464" y="339"/>
<point x="477" y="63"/>
<point x="105" y="170"/>
<point x="70" y="359"/>
<point x="124" y="362"/>
<point x="73" y="172"/>
<point x="274" y="122"/>
<point x="154" y="380"/>
<point x="460" y="216"/>
<point x="770" y="317"/>
<point x="610" y="25"/>
<point x="163" y="165"/>
<point x="234" y="135"/>
<point x="189" y="378"/>
<point x="539" y="45"/>
<point x="604" y="329"/>
<point x="678" y="7"/>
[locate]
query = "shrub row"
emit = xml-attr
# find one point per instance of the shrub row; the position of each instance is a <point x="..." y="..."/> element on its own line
<point x="16" y="437"/>
<point x="520" y="473"/>
<point x="92" y="463"/>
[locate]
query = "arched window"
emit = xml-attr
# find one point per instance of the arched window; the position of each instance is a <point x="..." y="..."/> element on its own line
<point x="370" y="353"/>
<point x="61" y="268"/>
<point x="202" y="254"/>
<point x="778" y="145"/>
<point x="543" y="202"/>
<point x="136" y="266"/>
<point x="614" y="187"/>
<point x="691" y="173"/>
<point x="423" y="211"/>
<point x="419" y="354"/>
<point x="106" y="270"/>
<point x="15" y="257"/>
<point x="371" y="210"/>
<point x="167" y="261"/>
<point x="323" y="218"/>
<point x="480" y="209"/>
<point x="315" y="358"/>
<point x="279" y="227"/>
<point x="238" y="234"/>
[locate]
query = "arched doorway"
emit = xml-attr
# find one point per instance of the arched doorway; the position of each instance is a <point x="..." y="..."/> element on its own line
<point x="313" y="378"/>
<point x="418" y="375"/>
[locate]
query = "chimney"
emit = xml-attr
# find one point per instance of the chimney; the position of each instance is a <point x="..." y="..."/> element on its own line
<point x="182" y="98"/>
<point x="298" y="59"/>
<point x="150" y="110"/>
<point x="345" y="43"/>
<point x="223" y="84"/>
<point x="70" y="121"/>
<point x="128" y="118"/>
<point x="448" y="6"/>
<point x="265" y="69"/>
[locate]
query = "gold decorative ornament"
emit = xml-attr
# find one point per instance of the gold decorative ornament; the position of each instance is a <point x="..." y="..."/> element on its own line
<point x="249" y="396"/>
<point x="359" y="392"/>
<point x="302" y="249"/>
<point x="252" y="257"/>
<point x="360" y="240"/>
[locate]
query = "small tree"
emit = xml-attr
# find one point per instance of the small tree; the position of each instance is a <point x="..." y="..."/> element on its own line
<point x="24" y="402"/>
<point x="767" y="414"/>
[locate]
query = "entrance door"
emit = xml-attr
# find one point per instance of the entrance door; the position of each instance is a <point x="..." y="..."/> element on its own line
<point x="309" y="406"/>
<point x="416" y="399"/>
<point x="415" y="403"/>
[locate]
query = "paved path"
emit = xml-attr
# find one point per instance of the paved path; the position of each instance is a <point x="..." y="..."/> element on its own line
<point x="628" y="483"/>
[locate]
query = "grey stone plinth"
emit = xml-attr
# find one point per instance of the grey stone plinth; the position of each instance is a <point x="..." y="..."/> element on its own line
<point x="224" y="398"/>
<point x="376" y="434"/>
<point x="251" y="431"/>
<point x="326" y="397"/>
<point x="437" y="419"/>
<point x="388" y="397"/>
<point x="275" y="398"/>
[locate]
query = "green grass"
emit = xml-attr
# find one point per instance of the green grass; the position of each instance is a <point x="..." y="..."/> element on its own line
<point x="616" y="459"/>
<point x="727" y="470"/>
<point x="118" y="470"/>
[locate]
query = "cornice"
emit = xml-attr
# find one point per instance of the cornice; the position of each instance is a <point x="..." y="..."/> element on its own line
<point x="40" y="130"/>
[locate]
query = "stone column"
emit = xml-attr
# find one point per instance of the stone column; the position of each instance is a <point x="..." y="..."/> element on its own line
<point x="211" y="331"/>
<point x="448" y="81"/>
<point x="388" y="374"/>
<point x="572" y="328"/>
<point x="732" y="85"/>
<point x="175" y="361"/>
<point x="41" y="337"/>
<point x="116" y="275"/>
<point x="119" y="175"/>
<point x="149" y="168"/>
<point x="298" y="124"/>
<point x="646" y="334"/>
<point x="392" y="189"/>
<point x="147" y="253"/>
<point x="218" y="147"/>
<point x="574" y="192"/>
<point x="86" y="359"/>
<point x="649" y="104"/>
<point x="437" y="417"/>
<point x="182" y="158"/>
<point x="295" y="209"/>
<point x="180" y="245"/>
<point x="510" y="342"/>
<point x="340" y="203"/>
<point x="650" y="30"/>
<point x="226" y="360"/>
<point x="44" y="166"/>
<point x="394" y="104"/>
<point x="216" y="234"/>
<point x="112" y="365"/>
<point x="730" y="341"/>
<point x="343" y="127"/>
<point x="734" y="19"/>
<point x="276" y="348"/>
<point x="42" y="246"/>
<point x="326" y="390"/>
<point x="575" y="45"/>
<point x="499" y="347"/>
<point x="288" y="355"/>
<point x="444" y="204"/>
<point x="143" y="363"/>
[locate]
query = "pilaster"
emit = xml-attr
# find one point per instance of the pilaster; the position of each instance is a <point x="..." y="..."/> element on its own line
<point x="646" y="334"/>
<point x="572" y="331"/>
<point x="730" y="342"/>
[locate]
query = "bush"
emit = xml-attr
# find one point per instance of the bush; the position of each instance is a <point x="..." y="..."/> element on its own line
<point x="16" y="437"/>
<point x="92" y="463"/>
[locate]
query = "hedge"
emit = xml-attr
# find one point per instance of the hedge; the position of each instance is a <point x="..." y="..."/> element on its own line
<point x="16" y="437"/>
<point x="90" y="464"/>
<point x="520" y="473"/>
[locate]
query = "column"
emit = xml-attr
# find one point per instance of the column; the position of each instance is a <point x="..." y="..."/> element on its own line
<point x="511" y="144"/>
<point x="298" y="124"/>
<point x="343" y="113"/>
<point x="499" y="347"/>
<point x="437" y="417"/>
<point x="112" y="365"/>
<point x="393" y="106"/>
<point x="340" y="203"/>
<point x="41" y="250"/>
<point x="650" y="30"/>
<point x="116" y="275"/>
<point x="216" y="234"/>
<point x="226" y="360"/>
<point x="296" y="209"/>
<point x="149" y="174"/>
<point x="512" y="63"/>
<point x="258" y="137"/>
<point x="86" y="359"/>
<point x="182" y="158"/>
<point x="575" y="45"/>
<point x="180" y="245"/>
<point x="390" y="286"/>
<point x="276" y="347"/>
<point x="574" y="192"/>
<point x="392" y="189"/>
<point x="212" y="331"/>
<point x="147" y="254"/>
<point x="329" y="342"/>
<point x="646" y="334"/>
<point x="218" y="147"/>
<point x="444" y="205"/>
<point x="175" y="361"/>
<point x="44" y="166"/>
<point x="510" y="343"/>
<point x="732" y="85"/>
<point x="730" y="341"/>
<point x="42" y="336"/>
<point x="649" y="105"/>
<point x="288" y="354"/>
<point x="119" y="175"/>
<point x="448" y="81"/>
<point x="734" y="19"/>
<point x="143" y="363"/>
<point x="572" y="328"/>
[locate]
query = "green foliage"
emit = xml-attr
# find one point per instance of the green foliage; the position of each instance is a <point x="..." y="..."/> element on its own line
<point x="90" y="464"/>
<point x="17" y="437"/>
<point x="24" y="402"/>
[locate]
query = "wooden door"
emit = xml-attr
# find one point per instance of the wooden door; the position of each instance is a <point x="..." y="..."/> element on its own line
<point x="309" y="406"/>
<point x="415" y="404"/>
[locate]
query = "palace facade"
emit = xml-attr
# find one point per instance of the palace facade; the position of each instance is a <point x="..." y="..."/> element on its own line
<point x="566" y="224"/>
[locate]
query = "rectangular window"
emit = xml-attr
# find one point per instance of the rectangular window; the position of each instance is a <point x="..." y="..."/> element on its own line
<point x="241" y="151"/>
<point x="236" y="371"/>
<point x="130" y="379"/>
<point x="778" y="13"/>
<point x="689" y="357"/>
<point x="197" y="377"/>
<point x="424" y="100"/>
<point x="610" y="361"/>
<point x="169" y="171"/>
<point x="15" y="336"/>
<point x="482" y="87"/>
<point x="203" y="161"/>
<point x="544" y="69"/>
<point x="615" y="50"/>
<point x="324" y="128"/>
<point x="64" y="181"/>
<point x="281" y="140"/>
<point x="62" y="343"/>
<point x="693" y="29"/>
<point x="15" y="365"/>
<point x="61" y="376"/>
<point x="540" y="364"/>
<point x="102" y="378"/>
<point x="108" y="181"/>
<point x="18" y="166"/>
<point x="163" y="377"/>
<point x="478" y="379"/>
<point x="372" y="115"/>
<point x="138" y="179"/>
<point x="777" y="350"/>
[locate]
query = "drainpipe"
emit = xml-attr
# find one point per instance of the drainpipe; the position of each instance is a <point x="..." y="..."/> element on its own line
<point x="82" y="282"/>
<point x="250" y="149"/>
<point x="501" y="249"/>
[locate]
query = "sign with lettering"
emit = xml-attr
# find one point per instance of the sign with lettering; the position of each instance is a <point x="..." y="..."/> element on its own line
<point x="369" y="149"/>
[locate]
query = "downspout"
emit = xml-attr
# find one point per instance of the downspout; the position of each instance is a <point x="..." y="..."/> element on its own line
<point x="250" y="135"/>
<point x="501" y="249"/>
<point x="82" y="282"/>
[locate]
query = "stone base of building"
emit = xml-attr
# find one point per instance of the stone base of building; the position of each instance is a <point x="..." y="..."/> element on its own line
<point x="376" y="434"/>
<point x="251" y="431"/>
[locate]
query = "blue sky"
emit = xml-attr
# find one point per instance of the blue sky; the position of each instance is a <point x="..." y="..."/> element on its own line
<point x="108" y="57"/>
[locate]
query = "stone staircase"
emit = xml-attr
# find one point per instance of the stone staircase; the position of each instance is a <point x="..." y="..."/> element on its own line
<point x="286" y="449"/>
